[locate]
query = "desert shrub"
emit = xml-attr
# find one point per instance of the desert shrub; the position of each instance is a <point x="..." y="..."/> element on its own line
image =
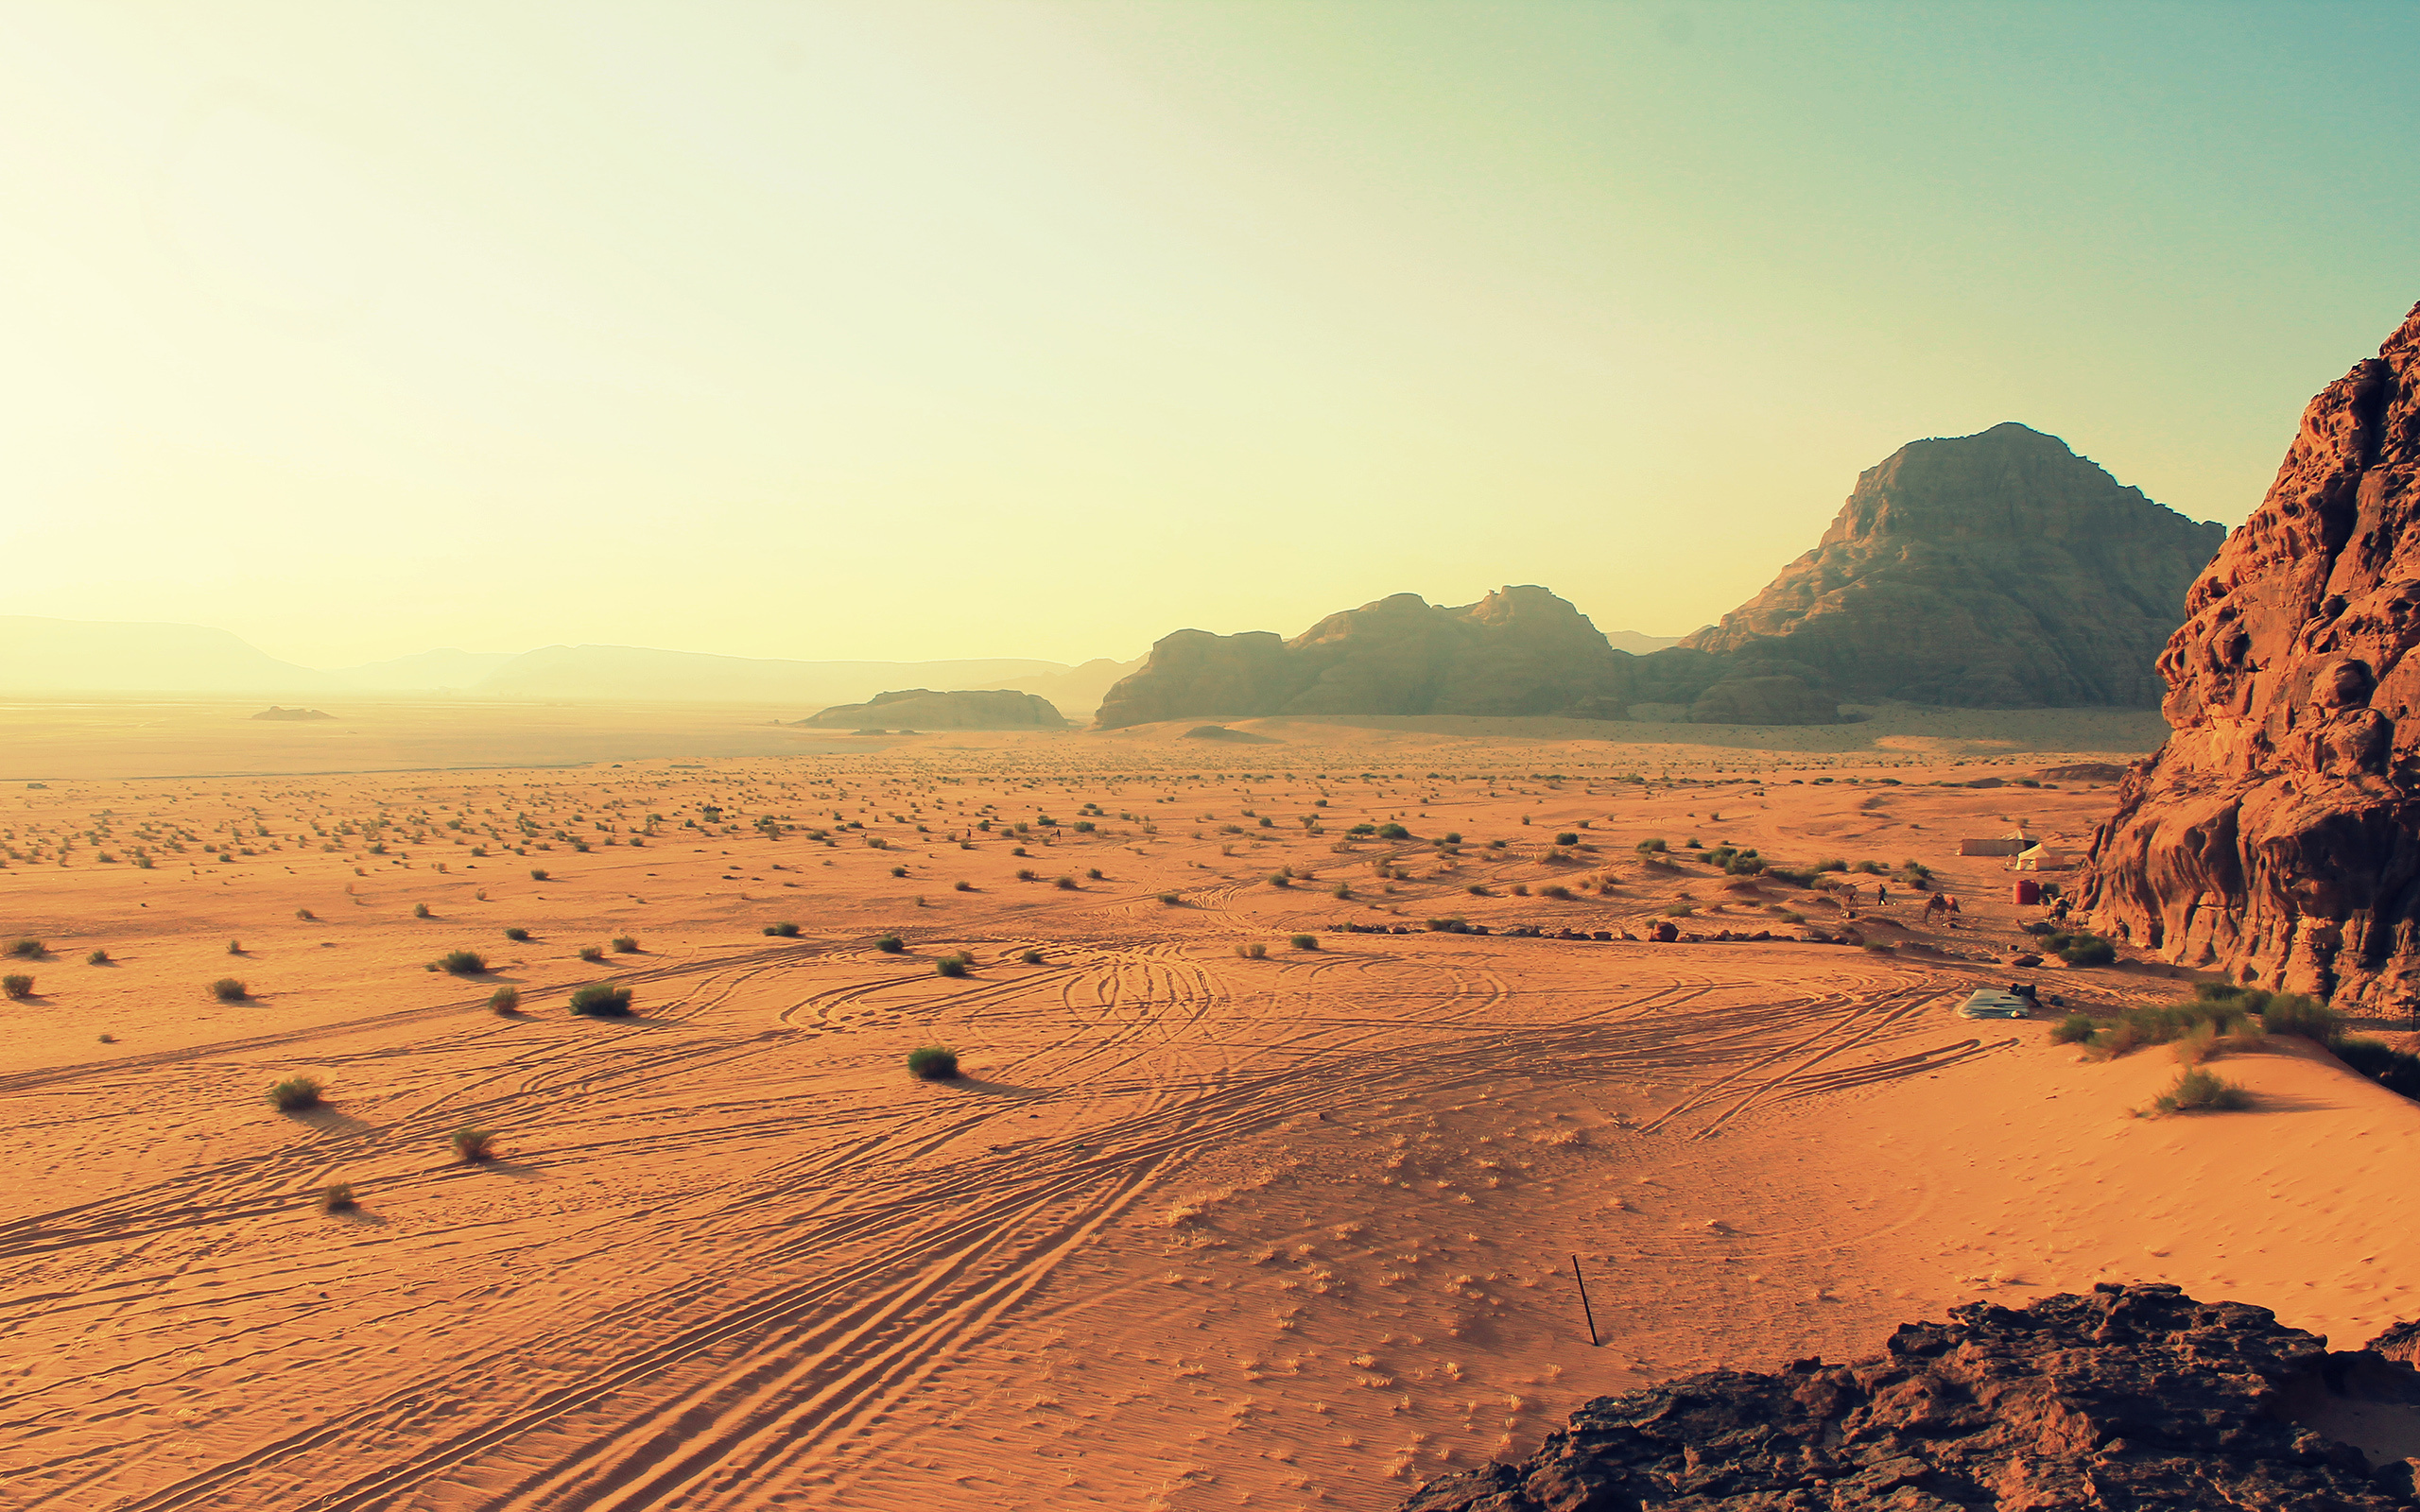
<point x="1653" y="848"/>
<point x="517" y="935"/>
<point x="98" y="958"/>
<point x="1094" y="875"/>
<point x="1795" y="876"/>
<point x="227" y="989"/>
<point x="1915" y="873"/>
<point x="626" y="944"/>
<point x="474" y="1146"/>
<point x="27" y="949"/>
<point x="234" y="947"/>
<point x="961" y="886"/>
<point x="1832" y="864"/>
<point x="2201" y="1091"/>
<point x="1520" y="889"/>
<point x="1680" y="911"/>
<point x="1870" y="868"/>
<point x="537" y="874"/>
<point x="949" y="965"/>
<point x="601" y="1000"/>
<point x="1064" y="884"/>
<point x="891" y="944"/>
<point x="2381" y="1062"/>
<point x="1031" y="957"/>
<point x="933" y="1063"/>
<point x="17" y="985"/>
<point x="420" y="911"/>
<point x="1254" y="951"/>
<point x="462" y="963"/>
<point x="2196" y="1044"/>
<point x="1555" y="889"/>
<point x="1477" y="890"/>
<point x="1279" y="879"/>
<point x="306" y="916"/>
<point x="2291" y="1013"/>
<point x="1027" y="874"/>
<point x="505" y="1001"/>
<point x="293" y="1094"/>
<point x="2074" y="1029"/>
<point x="2080" y="949"/>
<point x="338" y="1197"/>
<point x="784" y="930"/>
<point x="1305" y="942"/>
<point x="1168" y="899"/>
<point x="592" y="953"/>
<point x="1394" y="832"/>
<point x="1566" y="837"/>
<point x="1343" y="889"/>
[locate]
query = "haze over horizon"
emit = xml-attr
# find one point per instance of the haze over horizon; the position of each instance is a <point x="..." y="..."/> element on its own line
<point x="906" y="331"/>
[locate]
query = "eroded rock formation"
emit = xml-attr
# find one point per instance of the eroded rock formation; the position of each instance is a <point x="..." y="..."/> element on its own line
<point x="1991" y="571"/>
<point x="2133" y="1396"/>
<point x="2276" y="835"/>
<point x="1517" y="651"/>
<point x="922" y="709"/>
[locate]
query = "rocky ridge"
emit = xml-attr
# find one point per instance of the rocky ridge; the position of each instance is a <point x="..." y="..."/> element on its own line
<point x="2275" y="836"/>
<point x="924" y="708"/>
<point x="2133" y="1396"/>
<point x="1999" y="570"/>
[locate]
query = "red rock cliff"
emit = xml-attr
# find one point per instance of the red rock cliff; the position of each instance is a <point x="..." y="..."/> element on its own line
<point x="2276" y="835"/>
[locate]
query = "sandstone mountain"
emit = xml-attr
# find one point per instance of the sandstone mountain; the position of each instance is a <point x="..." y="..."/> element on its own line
<point x="2276" y="835"/>
<point x="1517" y="651"/>
<point x="924" y="708"/>
<point x="2134" y="1397"/>
<point x="1992" y="571"/>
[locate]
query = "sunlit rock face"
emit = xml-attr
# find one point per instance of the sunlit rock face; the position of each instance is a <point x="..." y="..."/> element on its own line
<point x="2274" y="835"/>
<point x="1999" y="570"/>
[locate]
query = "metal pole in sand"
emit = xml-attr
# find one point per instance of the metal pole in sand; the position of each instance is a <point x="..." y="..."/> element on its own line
<point x="1587" y="1312"/>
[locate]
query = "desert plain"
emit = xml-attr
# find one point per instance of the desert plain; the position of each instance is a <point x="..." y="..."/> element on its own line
<point x="1212" y="1219"/>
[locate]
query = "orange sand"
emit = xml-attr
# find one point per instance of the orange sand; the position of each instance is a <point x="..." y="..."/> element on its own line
<point x="1198" y="1230"/>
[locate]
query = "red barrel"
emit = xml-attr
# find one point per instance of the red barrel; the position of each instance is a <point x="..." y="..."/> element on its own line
<point x="2029" y="892"/>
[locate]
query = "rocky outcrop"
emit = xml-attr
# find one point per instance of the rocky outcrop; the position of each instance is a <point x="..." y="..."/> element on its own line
<point x="2133" y="1396"/>
<point x="2275" y="836"/>
<point x="1775" y="701"/>
<point x="1517" y="651"/>
<point x="1991" y="571"/>
<point x="922" y="709"/>
<point x="273" y="711"/>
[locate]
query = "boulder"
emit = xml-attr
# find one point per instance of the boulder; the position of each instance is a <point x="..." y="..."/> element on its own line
<point x="2133" y="1396"/>
<point x="1520" y="650"/>
<point x="1999" y="570"/>
<point x="924" y="708"/>
<point x="2275" y="836"/>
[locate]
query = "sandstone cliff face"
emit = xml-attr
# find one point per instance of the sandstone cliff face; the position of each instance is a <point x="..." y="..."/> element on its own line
<point x="1517" y="651"/>
<point x="2276" y="835"/>
<point x="1992" y="571"/>
<point x="2133" y="1396"/>
<point x="922" y="709"/>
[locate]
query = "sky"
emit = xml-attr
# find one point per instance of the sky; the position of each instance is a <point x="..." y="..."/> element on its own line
<point x="902" y="330"/>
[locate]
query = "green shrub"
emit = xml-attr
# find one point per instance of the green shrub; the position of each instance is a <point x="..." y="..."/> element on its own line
<point x="27" y="949"/>
<point x="98" y="958"/>
<point x="2200" y="1092"/>
<point x="592" y="953"/>
<point x="462" y="963"/>
<point x="1832" y="864"/>
<point x="1279" y="879"/>
<point x="1680" y="911"/>
<point x="2291" y="1013"/>
<point x="234" y="947"/>
<point x="891" y="944"/>
<point x="227" y="989"/>
<point x="933" y="1063"/>
<point x="1653" y="848"/>
<point x="950" y="965"/>
<point x="293" y="1094"/>
<point x="2074" y="1029"/>
<point x="474" y="1146"/>
<point x="2080" y="949"/>
<point x="785" y="929"/>
<point x="1567" y="837"/>
<point x="961" y="886"/>
<point x="626" y="944"/>
<point x="1168" y="899"/>
<point x="1305" y="942"/>
<point x="1094" y="875"/>
<point x="338" y="1197"/>
<point x="505" y="1001"/>
<point x="537" y="874"/>
<point x="1064" y="884"/>
<point x="1031" y="957"/>
<point x="1394" y="832"/>
<point x="420" y="911"/>
<point x="517" y="935"/>
<point x="1343" y="889"/>
<point x="601" y="1000"/>
<point x="1555" y="889"/>
<point x="1254" y="951"/>
<point x="17" y="985"/>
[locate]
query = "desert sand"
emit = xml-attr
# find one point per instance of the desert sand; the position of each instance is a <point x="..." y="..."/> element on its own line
<point x="1197" y="1230"/>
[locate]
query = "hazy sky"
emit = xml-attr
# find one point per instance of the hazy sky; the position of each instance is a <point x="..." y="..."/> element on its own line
<point x="901" y="331"/>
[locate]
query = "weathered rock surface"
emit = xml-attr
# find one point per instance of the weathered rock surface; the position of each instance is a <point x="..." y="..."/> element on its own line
<point x="1772" y="700"/>
<point x="922" y="709"/>
<point x="1517" y="651"/>
<point x="2276" y="835"/>
<point x="1991" y="571"/>
<point x="2132" y="1397"/>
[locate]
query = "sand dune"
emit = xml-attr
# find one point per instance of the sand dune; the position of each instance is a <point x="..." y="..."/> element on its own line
<point x="1197" y="1230"/>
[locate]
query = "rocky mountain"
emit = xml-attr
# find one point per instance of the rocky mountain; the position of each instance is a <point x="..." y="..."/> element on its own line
<point x="1517" y="651"/>
<point x="922" y="709"/>
<point x="102" y="656"/>
<point x="2134" y="1397"/>
<point x="2276" y="835"/>
<point x="1991" y="571"/>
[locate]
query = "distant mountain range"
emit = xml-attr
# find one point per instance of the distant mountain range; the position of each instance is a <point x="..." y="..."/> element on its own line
<point x="53" y="655"/>
<point x="50" y="655"/>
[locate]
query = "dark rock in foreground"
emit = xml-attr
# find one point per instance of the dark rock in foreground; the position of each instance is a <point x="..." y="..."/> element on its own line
<point x="922" y="709"/>
<point x="2133" y="1396"/>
